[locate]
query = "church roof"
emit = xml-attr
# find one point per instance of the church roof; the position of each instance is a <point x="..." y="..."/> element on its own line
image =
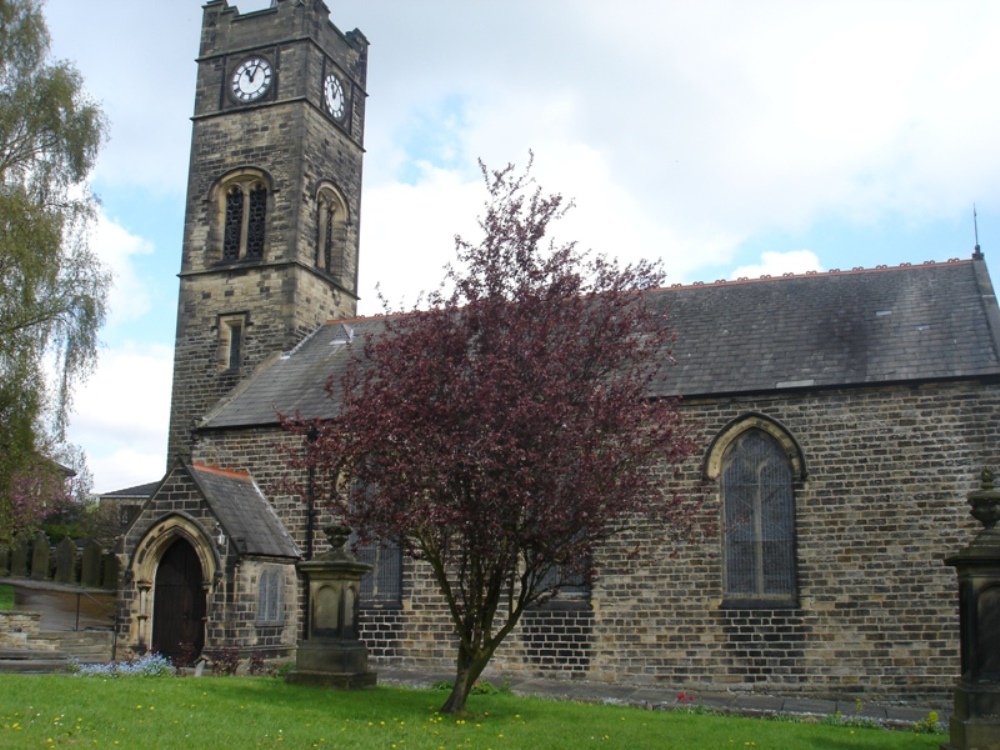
<point x="246" y="517"/>
<point x="136" y="491"/>
<point x="820" y="330"/>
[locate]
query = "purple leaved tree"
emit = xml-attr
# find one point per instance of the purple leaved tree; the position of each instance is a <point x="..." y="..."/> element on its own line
<point x="507" y="431"/>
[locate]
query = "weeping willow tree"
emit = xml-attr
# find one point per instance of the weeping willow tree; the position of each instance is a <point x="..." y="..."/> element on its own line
<point x="53" y="289"/>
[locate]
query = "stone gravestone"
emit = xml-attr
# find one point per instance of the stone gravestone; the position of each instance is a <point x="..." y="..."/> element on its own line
<point x="332" y="655"/>
<point x="40" y="557"/>
<point x="66" y="561"/>
<point x="19" y="558"/>
<point x="91" y="573"/>
<point x="975" y="723"/>
<point x="109" y="579"/>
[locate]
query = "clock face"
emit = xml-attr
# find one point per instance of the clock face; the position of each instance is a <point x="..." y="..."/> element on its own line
<point x="251" y="79"/>
<point x="333" y="96"/>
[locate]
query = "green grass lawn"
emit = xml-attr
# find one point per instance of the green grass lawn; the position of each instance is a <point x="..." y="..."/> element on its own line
<point x="6" y="597"/>
<point x="39" y="711"/>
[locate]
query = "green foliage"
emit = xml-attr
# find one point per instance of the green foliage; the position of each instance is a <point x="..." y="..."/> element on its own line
<point x="53" y="711"/>
<point x="506" y="433"/>
<point x="53" y="289"/>
<point x="930" y="724"/>
<point x="6" y="598"/>
<point x="479" y="687"/>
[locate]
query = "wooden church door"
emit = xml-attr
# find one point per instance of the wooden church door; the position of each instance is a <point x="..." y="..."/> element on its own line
<point x="179" y="603"/>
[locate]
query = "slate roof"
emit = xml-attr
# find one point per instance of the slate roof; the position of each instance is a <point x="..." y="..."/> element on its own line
<point x="862" y="327"/>
<point x="246" y="517"/>
<point x="139" y="490"/>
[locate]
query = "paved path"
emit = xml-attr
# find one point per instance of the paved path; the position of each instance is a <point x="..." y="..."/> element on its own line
<point x="654" y="697"/>
<point x="62" y="606"/>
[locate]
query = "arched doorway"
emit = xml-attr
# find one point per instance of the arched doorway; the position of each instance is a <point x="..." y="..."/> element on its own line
<point x="179" y="603"/>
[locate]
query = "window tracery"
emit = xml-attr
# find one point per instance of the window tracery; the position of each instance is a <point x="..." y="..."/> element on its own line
<point x="759" y="521"/>
<point x="244" y="210"/>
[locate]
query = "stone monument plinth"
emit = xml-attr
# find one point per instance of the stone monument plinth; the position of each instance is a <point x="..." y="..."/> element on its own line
<point x="332" y="654"/>
<point x="975" y="724"/>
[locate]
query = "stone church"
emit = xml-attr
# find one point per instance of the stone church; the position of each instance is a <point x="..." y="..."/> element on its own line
<point x="842" y="419"/>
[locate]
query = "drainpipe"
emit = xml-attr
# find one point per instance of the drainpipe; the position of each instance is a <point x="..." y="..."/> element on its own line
<point x="311" y="436"/>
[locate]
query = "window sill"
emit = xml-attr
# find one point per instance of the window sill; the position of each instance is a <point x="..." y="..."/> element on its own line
<point x="735" y="602"/>
<point x="562" y="602"/>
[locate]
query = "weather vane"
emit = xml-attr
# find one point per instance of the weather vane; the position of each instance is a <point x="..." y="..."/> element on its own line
<point x="978" y="254"/>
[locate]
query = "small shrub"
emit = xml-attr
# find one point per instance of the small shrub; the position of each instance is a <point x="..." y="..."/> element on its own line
<point x="930" y="724"/>
<point x="185" y="659"/>
<point x="484" y="687"/>
<point x="225" y="662"/>
<point x="479" y="687"/>
<point x="257" y="666"/>
<point x="859" y="722"/>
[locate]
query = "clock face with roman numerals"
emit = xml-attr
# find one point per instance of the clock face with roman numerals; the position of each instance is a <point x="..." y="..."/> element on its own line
<point x="333" y="96"/>
<point x="251" y="79"/>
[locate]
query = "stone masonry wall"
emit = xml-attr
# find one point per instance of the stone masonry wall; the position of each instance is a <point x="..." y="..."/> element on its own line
<point x="288" y="141"/>
<point x="882" y="504"/>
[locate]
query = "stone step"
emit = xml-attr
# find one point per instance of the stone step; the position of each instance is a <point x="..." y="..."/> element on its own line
<point x="33" y="666"/>
<point x="88" y="646"/>
<point x="32" y="660"/>
<point x="26" y="654"/>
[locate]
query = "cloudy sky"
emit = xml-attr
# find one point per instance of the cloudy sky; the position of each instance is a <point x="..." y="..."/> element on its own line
<point x="727" y="139"/>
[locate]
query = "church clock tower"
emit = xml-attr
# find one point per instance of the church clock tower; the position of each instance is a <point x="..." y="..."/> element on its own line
<point x="274" y="195"/>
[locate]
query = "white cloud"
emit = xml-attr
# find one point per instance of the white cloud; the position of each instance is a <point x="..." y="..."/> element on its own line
<point x="130" y="299"/>
<point x="414" y="228"/>
<point x="777" y="264"/>
<point x="121" y="415"/>
<point x="681" y="129"/>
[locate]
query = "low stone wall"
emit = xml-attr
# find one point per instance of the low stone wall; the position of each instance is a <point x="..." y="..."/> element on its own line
<point x="19" y="630"/>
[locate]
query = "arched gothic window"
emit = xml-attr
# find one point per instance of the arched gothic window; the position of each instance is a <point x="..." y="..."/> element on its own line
<point x="383" y="584"/>
<point x="331" y="236"/>
<point x="759" y="515"/>
<point x="244" y="212"/>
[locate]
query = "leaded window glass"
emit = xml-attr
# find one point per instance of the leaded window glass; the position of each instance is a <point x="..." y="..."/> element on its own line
<point x="759" y="519"/>
<point x="271" y="596"/>
<point x="255" y="225"/>
<point x="328" y="239"/>
<point x="233" y="231"/>
<point x="383" y="584"/>
<point x="235" y="344"/>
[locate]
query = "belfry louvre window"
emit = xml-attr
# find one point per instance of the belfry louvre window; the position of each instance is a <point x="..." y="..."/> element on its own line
<point x="331" y="222"/>
<point x="243" y="225"/>
<point x="759" y="521"/>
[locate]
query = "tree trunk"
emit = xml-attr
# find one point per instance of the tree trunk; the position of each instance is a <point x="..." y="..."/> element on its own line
<point x="470" y="666"/>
